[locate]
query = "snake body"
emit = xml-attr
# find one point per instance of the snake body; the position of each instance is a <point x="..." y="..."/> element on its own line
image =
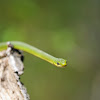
<point x="59" y="62"/>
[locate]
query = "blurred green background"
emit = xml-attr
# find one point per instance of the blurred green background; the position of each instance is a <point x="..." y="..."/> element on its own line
<point x="68" y="29"/>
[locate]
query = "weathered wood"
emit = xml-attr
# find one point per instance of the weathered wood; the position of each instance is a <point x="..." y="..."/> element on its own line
<point x="11" y="67"/>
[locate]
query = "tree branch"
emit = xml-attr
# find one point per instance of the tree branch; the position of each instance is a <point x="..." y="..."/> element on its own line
<point x="11" y="67"/>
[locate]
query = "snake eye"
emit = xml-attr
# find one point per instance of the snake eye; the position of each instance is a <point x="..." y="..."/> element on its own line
<point x="58" y="63"/>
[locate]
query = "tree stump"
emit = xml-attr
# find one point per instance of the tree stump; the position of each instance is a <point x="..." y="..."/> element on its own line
<point x="11" y="67"/>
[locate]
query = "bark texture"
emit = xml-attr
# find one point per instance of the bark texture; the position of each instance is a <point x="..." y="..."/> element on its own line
<point x="11" y="67"/>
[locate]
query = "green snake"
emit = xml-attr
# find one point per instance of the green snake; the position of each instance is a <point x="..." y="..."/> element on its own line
<point x="59" y="62"/>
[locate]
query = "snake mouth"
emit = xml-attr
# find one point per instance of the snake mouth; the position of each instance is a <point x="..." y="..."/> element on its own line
<point x="61" y="66"/>
<point x="64" y="65"/>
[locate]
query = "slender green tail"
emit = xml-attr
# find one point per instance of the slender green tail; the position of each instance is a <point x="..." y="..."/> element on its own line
<point x="59" y="62"/>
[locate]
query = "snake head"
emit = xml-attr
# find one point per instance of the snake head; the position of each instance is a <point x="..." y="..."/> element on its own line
<point x="60" y="62"/>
